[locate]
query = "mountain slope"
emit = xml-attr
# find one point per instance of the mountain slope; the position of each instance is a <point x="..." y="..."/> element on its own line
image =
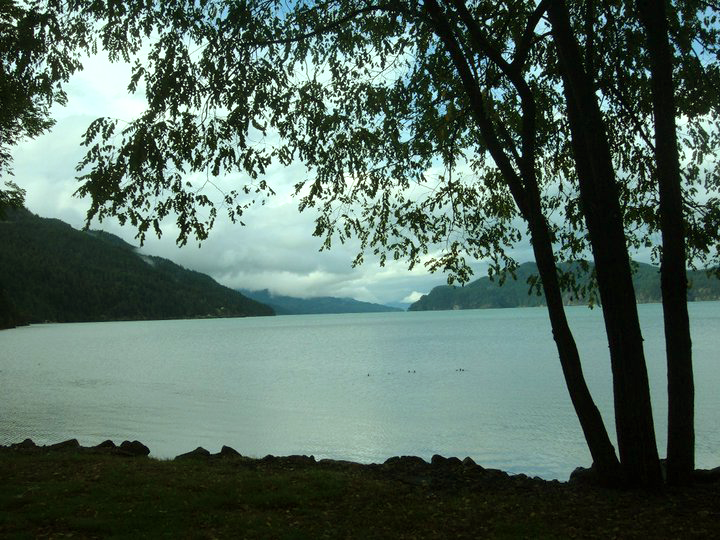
<point x="289" y="305"/>
<point x="52" y="272"/>
<point x="484" y="293"/>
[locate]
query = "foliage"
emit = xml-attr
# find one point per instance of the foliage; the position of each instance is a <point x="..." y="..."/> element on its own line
<point x="373" y="119"/>
<point x="11" y="198"/>
<point x="56" y="273"/>
<point x="366" y="97"/>
<point x="40" y="48"/>
<point x="615" y="46"/>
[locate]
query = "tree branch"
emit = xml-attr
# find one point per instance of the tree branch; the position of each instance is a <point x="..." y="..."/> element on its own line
<point x="589" y="37"/>
<point x="527" y="163"/>
<point x="445" y="33"/>
<point x="323" y="29"/>
<point x="523" y="48"/>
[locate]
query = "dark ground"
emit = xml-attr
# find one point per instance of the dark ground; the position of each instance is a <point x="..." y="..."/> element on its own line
<point x="113" y="492"/>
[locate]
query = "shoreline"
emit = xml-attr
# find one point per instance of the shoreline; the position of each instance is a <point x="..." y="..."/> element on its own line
<point x="466" y="467"/>
<point x="136" y="449"/>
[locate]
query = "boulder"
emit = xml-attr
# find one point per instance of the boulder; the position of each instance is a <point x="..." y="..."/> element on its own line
<point x="405" y="461"/>
<point x="407" y="466"/>
<point x="300" y="460"/>
<point x="228" y="452"/>
<point x="70" y="444"/>
<point x="289" y="461"/>
<point x="585" y="476"/>
<point x="440" y="461"/>
<point x="133" y="448"/>
<point x="106" y="444"/>
<point x="198" y="453"/>
<point x="27" y="444"/>
<point x="341" y="463"/>
<point x="707" y="476"/>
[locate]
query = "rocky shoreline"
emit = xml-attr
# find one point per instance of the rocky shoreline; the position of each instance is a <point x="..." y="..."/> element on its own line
<point x="440" y="472"/>
<point x="445" y="472"/>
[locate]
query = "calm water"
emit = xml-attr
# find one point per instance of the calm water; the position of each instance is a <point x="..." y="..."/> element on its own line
<point x="480" y="383"/>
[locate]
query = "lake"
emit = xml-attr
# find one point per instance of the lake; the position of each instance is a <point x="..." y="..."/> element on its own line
<point x="480" y="383"/>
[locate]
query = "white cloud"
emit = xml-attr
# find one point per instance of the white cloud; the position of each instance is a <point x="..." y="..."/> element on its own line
<point x="412" y="297"/>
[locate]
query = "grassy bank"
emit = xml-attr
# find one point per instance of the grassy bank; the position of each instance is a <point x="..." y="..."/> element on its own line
<point x="82" y="495"/>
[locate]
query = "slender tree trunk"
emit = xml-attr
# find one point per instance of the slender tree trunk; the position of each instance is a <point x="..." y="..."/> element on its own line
<point x="603" y="453"/>
<point x="601" y="205"/>
<point x="525" y="191"/>
<point x="681" y="392"/>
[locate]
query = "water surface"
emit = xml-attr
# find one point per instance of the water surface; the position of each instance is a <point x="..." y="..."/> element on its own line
<point x="480" y="383"/>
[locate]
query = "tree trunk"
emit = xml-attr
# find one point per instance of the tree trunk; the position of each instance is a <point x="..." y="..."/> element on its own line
<point x="681" y="392"/>
<point x="525" y="191"/>
<point x="605" y="460"/>
<point x="601" y="205"/>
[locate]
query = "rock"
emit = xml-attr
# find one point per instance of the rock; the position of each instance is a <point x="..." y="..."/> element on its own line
<point x="70" y="444"/>
<point x="228" y="452"/>
<point x="27" y="444"/>
<point x="707" y="476"/>
<point x="198" y="453"/>
<point x="411" y="469"/>
<point x="582" y="475"/>
<point x="341" y="463"/>
<point x="437" y="460"/>
<point x="405" y="462"/>
<point x="106" y="444"/>
<point x="300" y="460"/>
<point x="591" y="477"/>
<point x="289" y="461"/>
<point x="134" y="448"/>
<point x="469" y="462"/>
<point x="440" y="461"/>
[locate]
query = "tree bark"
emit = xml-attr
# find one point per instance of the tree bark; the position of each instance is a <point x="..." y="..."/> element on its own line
<point x="673" y="276"/>
<point x="603" y="215"/>
<point x="605" y="460"/>
<point x="525" y="191"/>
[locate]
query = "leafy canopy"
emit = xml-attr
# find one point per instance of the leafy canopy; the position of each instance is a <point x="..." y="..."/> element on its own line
<point x="365" y="95"/>
<point x="40" y="48"/>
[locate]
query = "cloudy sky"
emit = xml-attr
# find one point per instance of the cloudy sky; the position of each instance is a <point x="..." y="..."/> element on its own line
<point x="275" y="250"/>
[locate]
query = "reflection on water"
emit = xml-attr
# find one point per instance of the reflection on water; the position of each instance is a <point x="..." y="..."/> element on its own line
<point x="481" y="383"/>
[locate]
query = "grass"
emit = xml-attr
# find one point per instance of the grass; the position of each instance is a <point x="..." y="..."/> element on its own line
<point x="82" y="495"/>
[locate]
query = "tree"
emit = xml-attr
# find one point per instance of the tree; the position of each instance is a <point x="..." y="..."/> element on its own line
<point x="603" y="215"/>
<point x="681" y="393"/>
<point x="525" y="191"/>
<point x="521" y="106"/>
<point x="40" y="47"/>
<point x="11" y="198"/>
<point x="674" y="43"/>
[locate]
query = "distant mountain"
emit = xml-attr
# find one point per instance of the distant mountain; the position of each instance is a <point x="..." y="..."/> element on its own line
<point x="50" y="271"/>
<point x="484" y="293"/>
<point x="288" y="305"/>
<point x="402" y="306"/>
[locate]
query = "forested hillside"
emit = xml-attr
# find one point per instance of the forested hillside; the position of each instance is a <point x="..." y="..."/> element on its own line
<point x="290" y="305"/>
<point x="50" y="271"/>
<point x="484" y="293"/>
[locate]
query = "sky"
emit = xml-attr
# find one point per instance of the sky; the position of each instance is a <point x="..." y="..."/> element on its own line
<point x="275" y="250"/>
